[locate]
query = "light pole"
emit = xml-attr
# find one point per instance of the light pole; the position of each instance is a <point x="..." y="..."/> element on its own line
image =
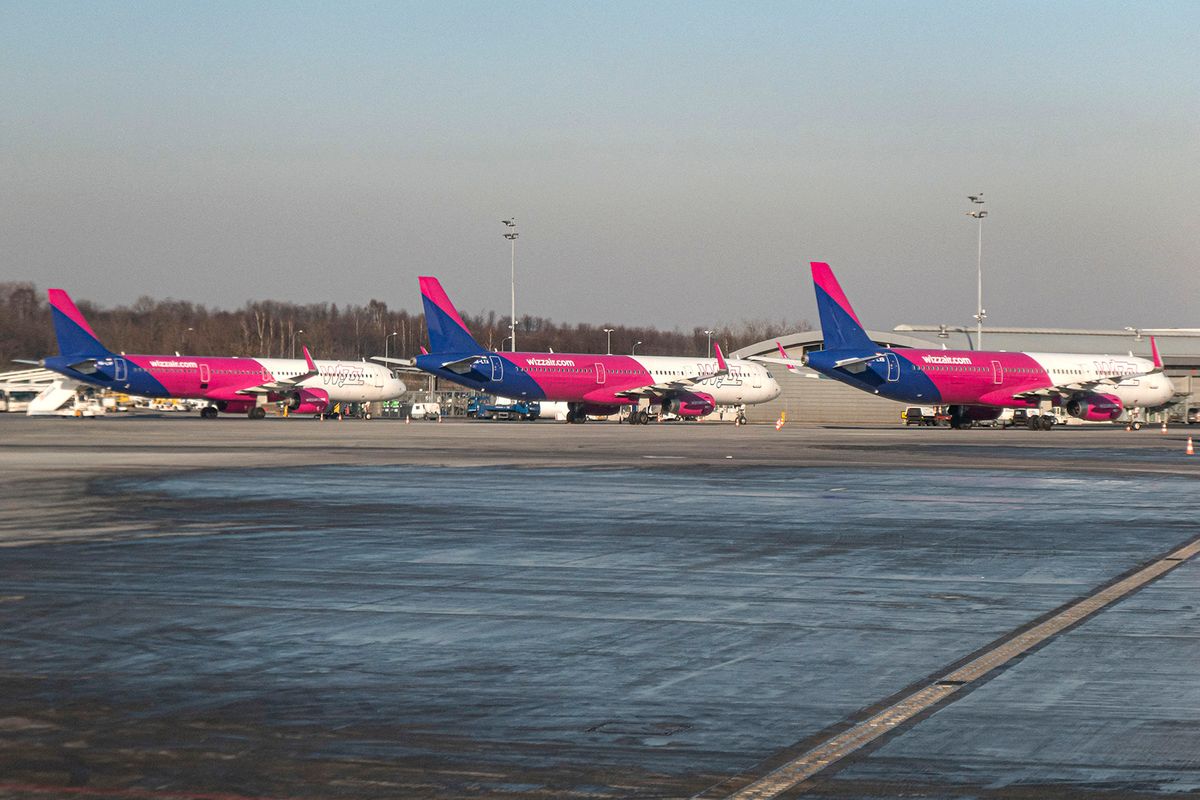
<point x="502" y="341"/>
<point x="633" y="351"/>
<point x="294" y="341"/>
<point x="979" y="213"/>
<point x="709" y="334"/>
<point x="512" y="235"/>
<point x="609" y="331"/>
<point x="385" y="345"/>
<point x="183" y="340"/>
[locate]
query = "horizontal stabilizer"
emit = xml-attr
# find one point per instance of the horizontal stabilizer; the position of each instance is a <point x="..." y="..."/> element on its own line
<point x="791" y="363"/>
<point x="85" y="367"/>
<point x="843" y="363"/>
<point x="460" y="366"/>
<point x="399" y="364"/>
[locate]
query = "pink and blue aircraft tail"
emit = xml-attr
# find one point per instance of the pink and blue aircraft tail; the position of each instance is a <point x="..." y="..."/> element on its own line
<point x="75" y="336"/>
<point x="839" y="324"/>
<point x="447" y="332"/>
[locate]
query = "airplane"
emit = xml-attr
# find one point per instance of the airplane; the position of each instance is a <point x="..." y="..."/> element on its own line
<point x="591" y="385"/>
<point x="978" y="385"/>
<point x="231" y="385"/>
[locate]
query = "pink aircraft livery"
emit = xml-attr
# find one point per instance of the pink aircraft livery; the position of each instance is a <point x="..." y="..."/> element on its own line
<point x="978" y="384"/>
<point x="596" y="385"/>
<point x="232" y="385"/>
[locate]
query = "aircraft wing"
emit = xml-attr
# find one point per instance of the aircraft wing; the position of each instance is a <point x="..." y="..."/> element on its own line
<point x="1074" y="387"/>
<point x="284" y="384"/>
<point x="681" y="384"/>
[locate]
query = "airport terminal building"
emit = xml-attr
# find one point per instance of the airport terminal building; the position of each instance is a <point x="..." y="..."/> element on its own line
<point x="808" y="400"/>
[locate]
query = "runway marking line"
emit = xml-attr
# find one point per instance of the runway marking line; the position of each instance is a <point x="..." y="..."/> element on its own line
<point x="840" y="745"/>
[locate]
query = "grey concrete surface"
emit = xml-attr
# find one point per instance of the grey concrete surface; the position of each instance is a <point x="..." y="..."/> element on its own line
<point x="370" y="609"/>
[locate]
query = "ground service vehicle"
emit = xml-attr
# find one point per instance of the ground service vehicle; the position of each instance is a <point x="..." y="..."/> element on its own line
<point x="480" y="408"/>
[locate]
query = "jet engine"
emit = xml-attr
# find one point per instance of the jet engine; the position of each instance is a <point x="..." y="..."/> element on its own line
<point x="1095" y="407"/>
<point x="306" y="401"/>
<point x="690" y="404"/>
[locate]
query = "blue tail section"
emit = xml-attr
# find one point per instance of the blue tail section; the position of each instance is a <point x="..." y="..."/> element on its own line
<point x="447" y="332"/>
<point x="75" y="336"/>
<point x="840" y="327"/>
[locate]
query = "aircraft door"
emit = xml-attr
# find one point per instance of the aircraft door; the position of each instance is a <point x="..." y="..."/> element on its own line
<point x="205" y="375"/>
<point x="997" y="372"/>
<point x="120" y="369"/>
<point x="497" y="368"/>
<point x="378" y="373"/>
<point x="599" y="372"/>
<point x="893" y="367"/>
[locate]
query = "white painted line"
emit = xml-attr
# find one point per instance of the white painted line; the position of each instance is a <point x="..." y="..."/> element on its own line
<point x="843" y="744"/>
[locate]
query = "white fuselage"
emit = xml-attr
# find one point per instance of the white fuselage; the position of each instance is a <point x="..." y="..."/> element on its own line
<point x="345" y="381"/>
<point x="1135" y="381"/>
<point x="747" y="383"/>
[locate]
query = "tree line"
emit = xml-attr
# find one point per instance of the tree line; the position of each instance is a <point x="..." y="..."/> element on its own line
<point x="272" y="329"/>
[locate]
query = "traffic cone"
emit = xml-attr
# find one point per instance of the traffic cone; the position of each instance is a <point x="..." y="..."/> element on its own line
<point x="1191" y="451"/>
<point x="782" y="419"/>
<point x="408" y="419"/>
<point x="1164" y="427"/>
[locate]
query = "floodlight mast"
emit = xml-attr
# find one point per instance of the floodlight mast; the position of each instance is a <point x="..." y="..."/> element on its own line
<point x="511" y="224"/>
<point x="979" y="213"/>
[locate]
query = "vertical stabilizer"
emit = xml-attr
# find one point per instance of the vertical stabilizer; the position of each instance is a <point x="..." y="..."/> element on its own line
<point x="1154" y="353"/>
<point x="75" y="336"/>
<point x="447" y="332"/>
<point x="839" y="324"/>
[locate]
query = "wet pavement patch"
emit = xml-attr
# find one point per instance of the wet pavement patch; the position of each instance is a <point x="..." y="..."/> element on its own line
<point x="601" y="632"/>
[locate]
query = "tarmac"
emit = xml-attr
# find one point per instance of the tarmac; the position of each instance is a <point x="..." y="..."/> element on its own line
<point x="290" y="608"/>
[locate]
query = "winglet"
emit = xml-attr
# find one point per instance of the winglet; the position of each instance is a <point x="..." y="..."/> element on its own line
<point x="782" y="352"/>
<point x="722" y="367"/>
<point x="424" y="352"/>
<point x="1154" y="353"/>
<point x="312" y="365"/>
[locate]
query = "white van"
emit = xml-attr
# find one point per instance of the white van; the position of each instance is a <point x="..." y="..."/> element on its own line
<point x="426" y="411"/>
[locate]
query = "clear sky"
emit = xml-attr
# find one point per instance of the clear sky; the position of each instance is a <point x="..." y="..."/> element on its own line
<point x="668" y="163"/>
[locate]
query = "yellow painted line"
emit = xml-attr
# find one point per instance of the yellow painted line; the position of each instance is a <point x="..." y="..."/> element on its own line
<point x="843" y="744"/>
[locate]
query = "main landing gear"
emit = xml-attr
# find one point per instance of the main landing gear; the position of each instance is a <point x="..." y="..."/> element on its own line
<point x="208" y="412"/>
<point x="258" y="412"/>
<point x="1042" y="422"/>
